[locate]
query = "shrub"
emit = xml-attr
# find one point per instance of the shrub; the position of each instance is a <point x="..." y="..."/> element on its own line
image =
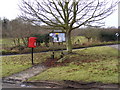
<point x="90" y="33"/>
<point x="108" y="35"/>
<point x="42" y="38"/>
<point x="101" y="34"/>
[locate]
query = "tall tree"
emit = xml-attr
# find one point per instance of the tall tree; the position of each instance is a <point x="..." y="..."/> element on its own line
<point x="6" y="28"/>
<point x="20" y="30"/>
<point x="67" y="14"/>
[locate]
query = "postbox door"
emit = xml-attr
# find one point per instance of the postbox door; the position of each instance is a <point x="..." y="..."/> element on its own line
<point x="32" y="42"/>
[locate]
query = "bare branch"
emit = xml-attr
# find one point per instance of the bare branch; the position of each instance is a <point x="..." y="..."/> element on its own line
<point x="68" y="15"/>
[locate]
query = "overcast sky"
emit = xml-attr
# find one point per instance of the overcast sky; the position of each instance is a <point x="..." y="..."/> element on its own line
<point x="10" y="10"/>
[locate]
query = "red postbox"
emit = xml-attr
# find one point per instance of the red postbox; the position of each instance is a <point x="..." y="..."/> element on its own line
<point x="32" y="42"/>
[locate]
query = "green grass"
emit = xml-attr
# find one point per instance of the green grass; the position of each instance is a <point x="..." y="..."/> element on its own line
<point x="81" y="38"/>
<point x="17" y="63"/>
<point x="0" y="41"/>
<point x="97" y="64"/>
<point x="6" y="41"/>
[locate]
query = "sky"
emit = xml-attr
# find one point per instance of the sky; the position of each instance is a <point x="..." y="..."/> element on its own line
<point x="10" y="10"/>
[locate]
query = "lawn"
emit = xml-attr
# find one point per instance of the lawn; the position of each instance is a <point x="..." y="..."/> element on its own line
<point x="16" y="63"/>
<point x="81" y="39"/>
<point x="96" y="64"/>
<point x="6" y="41"/>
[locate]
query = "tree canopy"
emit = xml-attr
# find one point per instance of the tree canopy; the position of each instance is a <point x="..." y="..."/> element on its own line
<point x="67" y="14"/>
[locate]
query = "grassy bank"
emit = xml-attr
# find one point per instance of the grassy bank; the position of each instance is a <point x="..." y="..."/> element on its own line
<point x="97" y="64"/>
<point x="16" y="63"/>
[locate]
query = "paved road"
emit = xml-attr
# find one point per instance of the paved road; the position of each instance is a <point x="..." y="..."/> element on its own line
<point x="18" y="85"/>
<point x="115" y="46"/>
<point x="7" y="85"/>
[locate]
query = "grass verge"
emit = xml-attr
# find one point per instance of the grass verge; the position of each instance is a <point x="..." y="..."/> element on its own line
<point x="16" y="63"/>
<point x="96" y="64"/>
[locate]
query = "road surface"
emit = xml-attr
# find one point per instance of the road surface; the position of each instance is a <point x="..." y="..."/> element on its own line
<point x="115" y="46"/>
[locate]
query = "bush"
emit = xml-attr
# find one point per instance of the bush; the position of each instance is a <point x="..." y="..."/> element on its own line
<point x="7" y="52"/>
<point x="108" y="35"/>
<point x="42" y="38"/>
<point x="101" y="34"/>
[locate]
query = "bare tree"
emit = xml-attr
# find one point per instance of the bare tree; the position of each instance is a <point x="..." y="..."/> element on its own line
<point x="20" y="31"/>
<point x="6" y="28"/>
<point x="67" y="14"/>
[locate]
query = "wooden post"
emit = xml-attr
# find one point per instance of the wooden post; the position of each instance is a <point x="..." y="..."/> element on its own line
<point x="32" y="57"/>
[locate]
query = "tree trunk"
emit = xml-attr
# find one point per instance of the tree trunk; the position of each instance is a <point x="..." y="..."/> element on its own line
<point x="18" y="41"/>
<point x="68" y="42"/>
<point x="14" y="42"/>
<point x="89" y="39"/>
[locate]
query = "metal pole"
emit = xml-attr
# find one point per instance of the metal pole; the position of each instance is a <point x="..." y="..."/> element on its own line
<point x="52" y="56"/>
<point x="62" y="54"/>
<point x="117" y="34"/>
<point x="118" y="39"/>
<point x="32" y="57"/>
